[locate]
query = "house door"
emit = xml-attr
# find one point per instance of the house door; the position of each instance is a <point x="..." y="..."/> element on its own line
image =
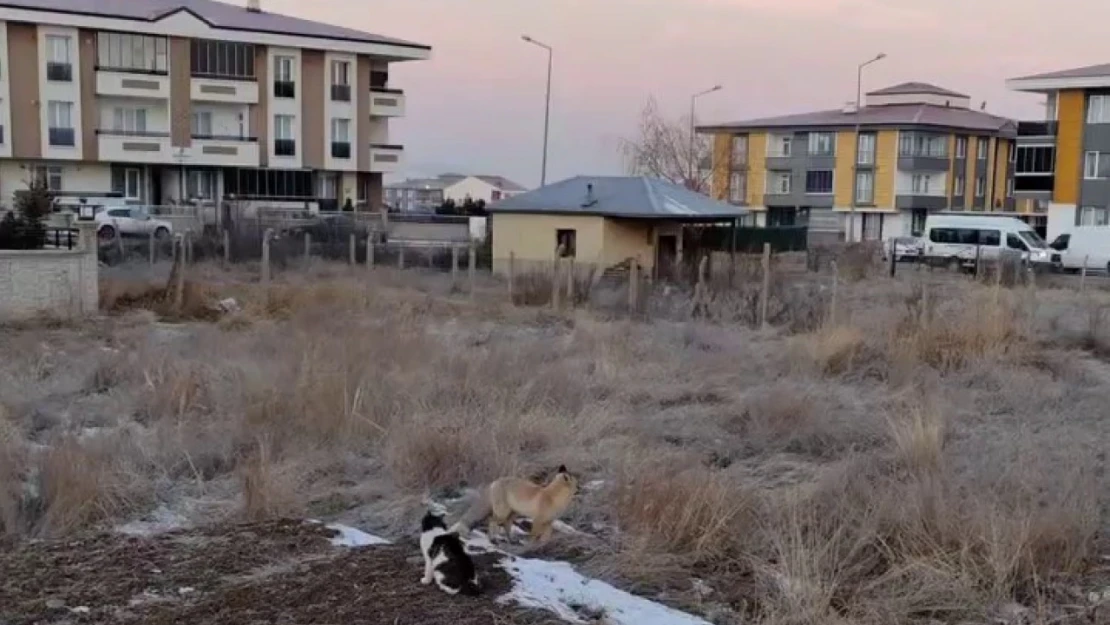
<point x="666" y="253"/>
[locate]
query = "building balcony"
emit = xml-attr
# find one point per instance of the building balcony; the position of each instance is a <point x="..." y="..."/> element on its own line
<point x="341" y="93"/>
<point x="386" y="158"/>
<point x="1037" y="129"/>
<point x="134" y="146"/>
<point x="923" y="163"/>
<point x="909" y="201"/>
<point x="387" y="102"/>
<point x="224" y="151"/>
<point x="130" y="84"/>
<point x="227" y="90"/>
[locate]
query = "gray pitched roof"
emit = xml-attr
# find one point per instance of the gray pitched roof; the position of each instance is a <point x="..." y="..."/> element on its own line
<point x="216" y="14"/>
<point x="1089" y="71"/>
<point x="886" y="115"/>
<point x="917" y="87"/>
<point x="617" y="196"/>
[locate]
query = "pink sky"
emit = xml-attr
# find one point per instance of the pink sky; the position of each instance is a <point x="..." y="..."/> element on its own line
<point x="477" y="105"/>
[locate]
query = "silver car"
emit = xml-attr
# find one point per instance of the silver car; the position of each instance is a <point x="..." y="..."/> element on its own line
<point x="906" y="249"/>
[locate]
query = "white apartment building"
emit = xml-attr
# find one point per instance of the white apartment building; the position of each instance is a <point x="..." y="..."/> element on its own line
<point x="163" y="101"/>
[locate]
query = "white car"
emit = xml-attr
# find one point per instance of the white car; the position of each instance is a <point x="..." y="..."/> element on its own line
<point x="905" y="249"/>
<point x="130" y="221"/>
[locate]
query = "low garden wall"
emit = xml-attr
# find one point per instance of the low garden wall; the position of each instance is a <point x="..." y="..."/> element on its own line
<point x="50" y="283"/>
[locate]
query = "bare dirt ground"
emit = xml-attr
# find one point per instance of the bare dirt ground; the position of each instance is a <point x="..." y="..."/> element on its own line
<point x="931" y="450"/>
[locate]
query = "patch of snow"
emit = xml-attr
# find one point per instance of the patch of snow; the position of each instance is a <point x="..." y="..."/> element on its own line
<point x="184" y="590"/>
<point x="160" y="521"/>
<point x="593" y="485"/>
<point x="555" y="586"/>
<point x="352" y="537"/>
<point x="560" y="526"/>
<point x="81" y="609"/>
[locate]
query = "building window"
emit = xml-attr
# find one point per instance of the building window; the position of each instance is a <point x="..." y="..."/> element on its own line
<point x="865" y="187"/>
<point x="922" y="184"/>
<point x="1009" y="187"/>
<point x="958" y="185"/>
<point x="1096" y="165"/>
<point x="566" y="243"/>
<point x="917" y="221"/>
<point x="340" y="138"/>
<point x="132" y="53"/>
<point x="779" y="145"/>
<point x="739" y="149"/>
<point x="819" y="181"/>
<point x="127" y="120"/>
<point x="737" y="187"/>
<point x="865" y="154"/>
<point x="495" y="195"/>
<point x="132" y="183"/>
<point x="201" y="184"/>
<point x="984" y="147"/>
<point x="59" y="62"/>
<point x="222" y="59"/>
<point x="1094" y="216"/>
<point x="268" y="183"/>
<point x="822" y="144"/>
<point x="778" y="183"/>
<point x="961" y="147"/>
<point x="1035" y="160"/>
<point x="917" y="144"/>
<point x="51" y="175"/>
<point x="285" y="85"/>
<point x="60" y="123"/>
<point x="341" y="81"/>
<point x="980" y="187"/>
<point x="284" y="142"/>
<point x="872" y="226"/>
<point x="202" y="123"/>
<point x="1098" y="109"/>
<point x="1013" y="155"/>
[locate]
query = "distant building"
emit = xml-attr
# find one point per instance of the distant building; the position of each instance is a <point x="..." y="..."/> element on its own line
<point x="425" y="194"/>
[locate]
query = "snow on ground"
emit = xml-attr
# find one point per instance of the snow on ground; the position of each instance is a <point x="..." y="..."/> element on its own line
<point x="159" y="521"/>
<point x="352" y="537"/>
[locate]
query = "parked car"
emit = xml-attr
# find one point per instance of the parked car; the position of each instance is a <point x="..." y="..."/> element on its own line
<point x="130" y="221"/>
<point x="1084" y="245"/>
<point x="960" y="239"/>
<point x="906" y="249"/>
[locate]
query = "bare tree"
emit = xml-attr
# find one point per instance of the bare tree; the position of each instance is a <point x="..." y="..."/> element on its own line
<point x="663" y="148"/>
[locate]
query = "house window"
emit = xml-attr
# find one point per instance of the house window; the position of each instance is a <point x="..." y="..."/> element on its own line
<point x="865" y="187"/>
<point x="341" y="81"/>
<point x="917" y="221"/>
<point x="222" y="59"/>
<point x="822" y="144"/>
<point x="778" y="183"/>
<point x="201" y="184"/>
<point x="51" y="175"/>
<point x="129" y="120"/>
<point x="340" y="138"/>
<point x="866" y="152"/>
<point x="59" y="63"/>
<point x="1096" y="165"/>
<point x="60" y="123"/>
<point x="132" y="53"/>
<point x="1035" y="160"/>
<point x="819" y="181"/>
<point x="202" y="123"/>
<point x="270" y="183"/>
<point x="737" y="187"/>
<point x="872" y="226"/>
<point x="982" y="149"/>
<point x="495" y="195"/>
<point x="739" y="149"/>
<point x="1094" y="216"/>
<point x="132" y="183"/>
<point x="284" y="81"/>
<point x="958" y="185"/>
<point x="917" y="144"/>
<point x="980" y="187"/>
<point x="566" y="242"/>
<point x="779" y="145"/>
<point x="1098" y="109"/>
<point x="922" y="184"/>
<point x="961" y="147"/>
<point x="284" y="142"/>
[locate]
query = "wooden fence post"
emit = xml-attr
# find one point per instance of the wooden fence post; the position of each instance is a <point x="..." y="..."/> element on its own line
<point x="700" y="296"/>
<point x="1083" y="275"/>
<point x="307" y="246"/>
<point x="352" y="247"/>
<point x="835" y="288"/>
<point x="153" y="253"/>
<point x="454" y="266"/>
<point x="765" y="291"/>
<point x="471" y="267"/>
<point x="227" y="249"/>
<point x="512" y="277"/>
<point x="401" y="257"/>
<point x="192" y="246"/>
<point x="266" y="256"/>
<point x="556" y="287"/>
<point x="370" y="251"/>
<point x="633" y="286"/>
<point x="179" y="285"/>
<point x="570" y="282"/>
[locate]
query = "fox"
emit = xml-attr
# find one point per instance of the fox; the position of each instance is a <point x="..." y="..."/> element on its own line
<point x="509" y="497"/>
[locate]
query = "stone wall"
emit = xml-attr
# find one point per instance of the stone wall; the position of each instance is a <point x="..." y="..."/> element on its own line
<point x="50" y="283"/>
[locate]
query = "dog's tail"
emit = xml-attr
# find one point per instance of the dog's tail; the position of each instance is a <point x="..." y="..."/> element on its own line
<point x="477" y="511"/>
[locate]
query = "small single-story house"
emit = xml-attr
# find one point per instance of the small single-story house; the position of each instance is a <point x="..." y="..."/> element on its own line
<point x="602" y="220"/>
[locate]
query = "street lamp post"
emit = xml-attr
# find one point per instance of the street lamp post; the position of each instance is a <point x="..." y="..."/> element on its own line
<point x="859" y="102"/>
<point x="547" y="105"/>
<point x="693" y="156"/>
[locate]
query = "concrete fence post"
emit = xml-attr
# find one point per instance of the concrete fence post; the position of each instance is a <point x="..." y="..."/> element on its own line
<point x="227" y="249"/>
<point x="401" y="257"/>
<point x="570" y="282"/>
<point x="370" y="251"/>
<point x="472" y="267"/>
<point x="152" y="250"/>
<point x="765" y="290"/>
<point x="512" y="277"/>
<point x="633" y="286"/>
<point x="352" y="247"/>
<point x="556" y="286"/>
<point x="1083" y="275"/>
<point x="179" y="282"/>
<point x="266" y="236"/>
<point x="834" y="293"/>
<point x="454" y="266"/>
<point x="307" y="246"/>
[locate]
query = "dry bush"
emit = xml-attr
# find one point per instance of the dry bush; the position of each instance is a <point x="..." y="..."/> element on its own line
<point x="834" y="350"/>
<point x="269" y="490"/>
<point x="987" y="326"/>
<point x="918" y="433"/>
<point x="859" y="261"/>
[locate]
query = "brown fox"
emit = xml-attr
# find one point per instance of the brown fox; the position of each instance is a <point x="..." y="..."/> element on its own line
<point x="509" y="497"/>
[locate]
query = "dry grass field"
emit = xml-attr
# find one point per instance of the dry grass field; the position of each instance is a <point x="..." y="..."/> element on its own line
<point x="935" y="452"/>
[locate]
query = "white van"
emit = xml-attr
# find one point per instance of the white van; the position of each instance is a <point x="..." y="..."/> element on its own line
<point x="960" y="238"/>
<point x="1083" y="244"/>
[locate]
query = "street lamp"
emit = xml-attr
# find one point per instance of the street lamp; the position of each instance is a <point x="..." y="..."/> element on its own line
<point x="693" y="156"/>
<point x="859" y="101"/>
<point x="547" y="106"/>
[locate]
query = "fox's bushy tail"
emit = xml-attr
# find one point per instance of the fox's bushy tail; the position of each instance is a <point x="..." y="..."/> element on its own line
<point x="477" y="511"/>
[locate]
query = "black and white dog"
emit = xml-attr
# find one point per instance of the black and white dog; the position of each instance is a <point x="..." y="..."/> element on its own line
<point x="445" y="559"/>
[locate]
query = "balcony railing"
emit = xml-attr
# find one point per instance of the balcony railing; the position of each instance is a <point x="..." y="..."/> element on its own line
<point x="62" y="137"/>
<point x="285" y="89"/>
<point x="59" y="72"/>
<point x="1037" y="129"/>
<point x="341" y="93"/>
<point x="340" y="149"/>
<point x="210" y="137"/>
<point x="149" y="134"/>
<point x="285" y="147"/>
<point x="145" y="71"/>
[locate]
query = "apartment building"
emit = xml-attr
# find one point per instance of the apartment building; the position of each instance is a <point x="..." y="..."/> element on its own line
<point x="426" y="194"/>
<point x="1064" y="159"/>
<point x="874" y="172"/>
<point x="165" y="101"/>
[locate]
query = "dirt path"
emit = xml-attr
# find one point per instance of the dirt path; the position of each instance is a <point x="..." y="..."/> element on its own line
<point x="282" y="572"/>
